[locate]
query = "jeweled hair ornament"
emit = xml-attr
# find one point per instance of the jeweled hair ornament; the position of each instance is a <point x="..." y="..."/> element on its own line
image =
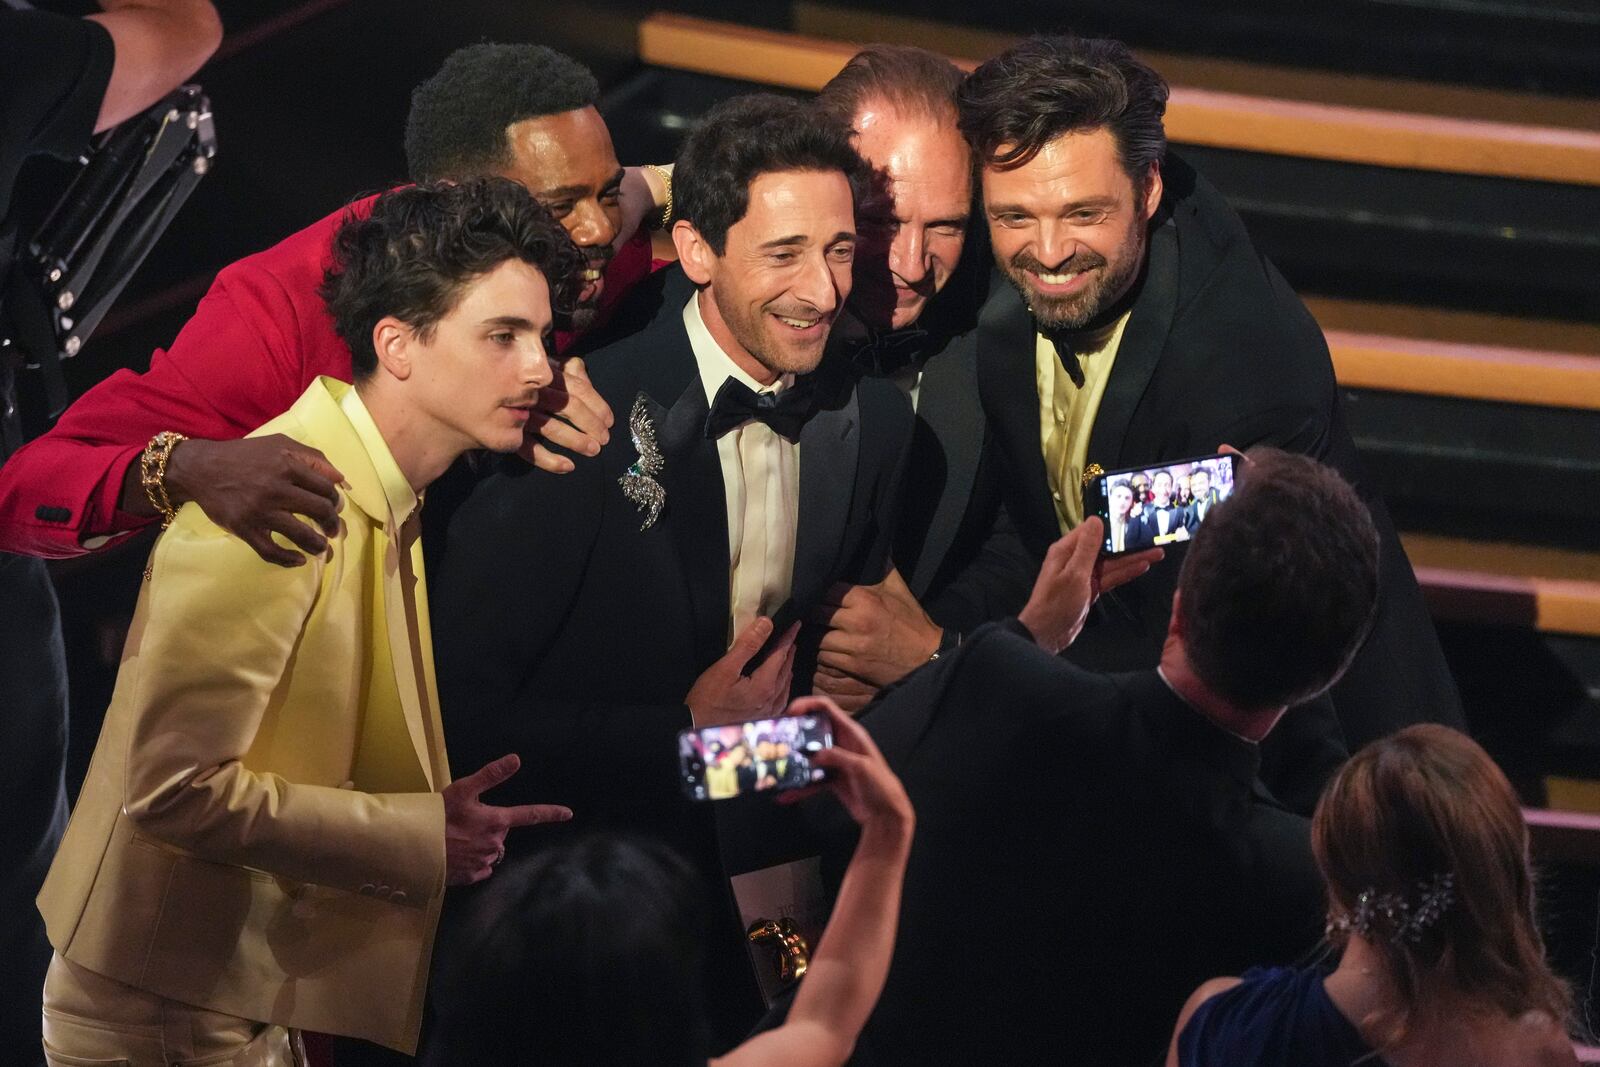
<point x="1404" y="918"/>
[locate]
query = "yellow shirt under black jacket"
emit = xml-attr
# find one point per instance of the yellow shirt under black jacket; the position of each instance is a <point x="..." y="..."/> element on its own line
<point x="260" y="832"/>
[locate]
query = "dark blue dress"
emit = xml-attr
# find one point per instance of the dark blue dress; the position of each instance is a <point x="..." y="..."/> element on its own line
<point x="1276" y="1017"/>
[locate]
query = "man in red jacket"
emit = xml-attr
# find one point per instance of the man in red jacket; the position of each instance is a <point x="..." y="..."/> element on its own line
<point x="261" y="335"/>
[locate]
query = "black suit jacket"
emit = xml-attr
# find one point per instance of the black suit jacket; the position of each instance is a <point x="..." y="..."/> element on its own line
<point x="1218" y="349"/>
<point x="567" y="634"/>
<point x="1088" y="850"/>
<point x="956" y="546"/>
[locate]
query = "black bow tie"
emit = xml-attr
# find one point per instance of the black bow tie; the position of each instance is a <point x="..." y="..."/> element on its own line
<point x="784" y="412"/>
<point x="887" y="352"/>
<point x="1067" y="352"/>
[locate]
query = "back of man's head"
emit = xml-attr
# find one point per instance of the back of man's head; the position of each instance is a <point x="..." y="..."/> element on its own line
<point x="743" y="138"/>
<point x="459" y="117"/>
<point x="1280" y="584"/>
<point x="416" y="252"/>
<point x="912" y="81"/>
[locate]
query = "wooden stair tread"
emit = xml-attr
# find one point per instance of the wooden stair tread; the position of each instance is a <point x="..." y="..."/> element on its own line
<point x="1215" y="118"/>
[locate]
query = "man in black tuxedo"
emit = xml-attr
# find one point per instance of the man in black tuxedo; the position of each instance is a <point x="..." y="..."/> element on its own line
<point x="918" y="283"/>
<point x="1164" y="521"/>
<point x="1202" y="497"/>
<point x="1130" y="321"/>
<point x="1089" y="843"/>
<point x="585" y="619"/>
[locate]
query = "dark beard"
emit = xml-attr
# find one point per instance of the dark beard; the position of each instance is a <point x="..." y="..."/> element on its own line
<point x="1076" y="312"/>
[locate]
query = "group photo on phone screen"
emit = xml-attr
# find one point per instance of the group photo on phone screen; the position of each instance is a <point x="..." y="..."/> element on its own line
<point x="1150" y="507"/>
<point x="750" y="757"/>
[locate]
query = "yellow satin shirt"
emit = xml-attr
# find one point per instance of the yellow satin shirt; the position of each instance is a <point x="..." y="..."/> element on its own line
<point x="1066" y="413"/>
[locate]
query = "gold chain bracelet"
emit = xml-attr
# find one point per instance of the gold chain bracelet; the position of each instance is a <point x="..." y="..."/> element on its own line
<point x="153" y="473"/>
<point x="666" y="182"/>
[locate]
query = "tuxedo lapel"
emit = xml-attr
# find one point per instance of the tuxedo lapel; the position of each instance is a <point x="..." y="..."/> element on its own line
<point x="696" y="511"/>
<point x="1010" y="392"/>
<point x="829" y="449"/>
<point x="1139" y="351"/>
<point x="949" y="440"/>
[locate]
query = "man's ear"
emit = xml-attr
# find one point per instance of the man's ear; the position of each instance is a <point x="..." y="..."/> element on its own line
<point x="694" y="253"/>
<point x="1175" y="620"/>
<point x="392" y="340"/>
<point x="1152" y="191"/>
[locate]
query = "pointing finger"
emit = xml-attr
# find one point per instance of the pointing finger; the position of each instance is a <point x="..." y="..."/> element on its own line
<point x="534" y="814"/>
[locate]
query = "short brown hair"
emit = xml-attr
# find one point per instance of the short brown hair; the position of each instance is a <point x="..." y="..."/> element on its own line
<point x="913" y="81"/>
<point x="1407" y="809"/>
<point x="1280" y="584"/>
<point x="1046" y="87"/>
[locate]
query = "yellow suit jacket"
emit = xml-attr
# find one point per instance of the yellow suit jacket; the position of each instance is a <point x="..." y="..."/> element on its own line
<point x="260" y="831"/>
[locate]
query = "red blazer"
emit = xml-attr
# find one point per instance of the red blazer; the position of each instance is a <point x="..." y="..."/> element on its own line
<point x="257" y="340"/>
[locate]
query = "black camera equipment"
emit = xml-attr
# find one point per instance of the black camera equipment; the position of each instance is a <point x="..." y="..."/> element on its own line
<point x="61" y="283"/>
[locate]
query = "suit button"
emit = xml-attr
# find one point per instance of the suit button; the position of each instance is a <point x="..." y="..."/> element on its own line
<point x="368" y="889"/>
<point x="398" y="896"/>
<point x="384" y="891"/>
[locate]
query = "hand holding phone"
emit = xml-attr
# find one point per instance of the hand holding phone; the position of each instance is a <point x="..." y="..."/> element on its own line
<point x="857" y="773"/>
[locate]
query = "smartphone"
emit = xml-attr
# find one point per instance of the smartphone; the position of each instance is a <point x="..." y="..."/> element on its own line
<point x="1158" y="505"/>
<point x="758" y="756"/>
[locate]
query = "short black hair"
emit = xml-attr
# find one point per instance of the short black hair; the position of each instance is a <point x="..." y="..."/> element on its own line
<point x="747" y="136"/>
<point x="458" y="120"/>
<point x="421" y="245"/>
<point x="586" y="955"/>
<point x="1045" y="87"/>
<point x="1280" y="585"/>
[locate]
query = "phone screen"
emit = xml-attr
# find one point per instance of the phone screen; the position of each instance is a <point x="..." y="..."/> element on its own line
<point x="740" y="758"/>
<point x="1161" y="504"/>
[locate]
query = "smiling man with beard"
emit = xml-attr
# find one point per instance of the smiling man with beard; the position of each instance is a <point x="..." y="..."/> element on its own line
<point x="586" y="619"/>
<point x="1132" y="322"/>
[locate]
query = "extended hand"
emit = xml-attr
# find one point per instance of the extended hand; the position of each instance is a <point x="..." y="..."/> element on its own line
<point x="257" y="486"/>
<point x="1063" y="592"/>
<point x="570" y="413"/>
<point x="475" y="832"/>
<point x="723" y="694"/>
<point x="877" y="633"/>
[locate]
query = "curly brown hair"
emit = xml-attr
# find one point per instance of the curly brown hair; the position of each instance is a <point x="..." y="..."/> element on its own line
<point x="420" y="246"/>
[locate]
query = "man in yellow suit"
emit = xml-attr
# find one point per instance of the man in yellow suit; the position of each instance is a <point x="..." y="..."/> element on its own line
<point x="268" y="827"/>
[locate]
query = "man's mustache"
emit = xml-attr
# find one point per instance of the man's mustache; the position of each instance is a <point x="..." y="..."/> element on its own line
<point x="1084" y="259"/>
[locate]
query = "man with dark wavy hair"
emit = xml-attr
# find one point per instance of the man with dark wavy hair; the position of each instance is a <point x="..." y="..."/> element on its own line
<point x="757" y="473"/>
<point x="1091" y="845"/>
<point x="268" y="826"/>
<point x="1132" y="322"/>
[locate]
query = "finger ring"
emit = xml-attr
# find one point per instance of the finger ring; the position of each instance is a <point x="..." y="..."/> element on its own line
<point x="498" y="856"/>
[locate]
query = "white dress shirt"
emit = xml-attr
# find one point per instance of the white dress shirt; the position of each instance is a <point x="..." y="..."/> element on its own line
<point x="760" y="484"/>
